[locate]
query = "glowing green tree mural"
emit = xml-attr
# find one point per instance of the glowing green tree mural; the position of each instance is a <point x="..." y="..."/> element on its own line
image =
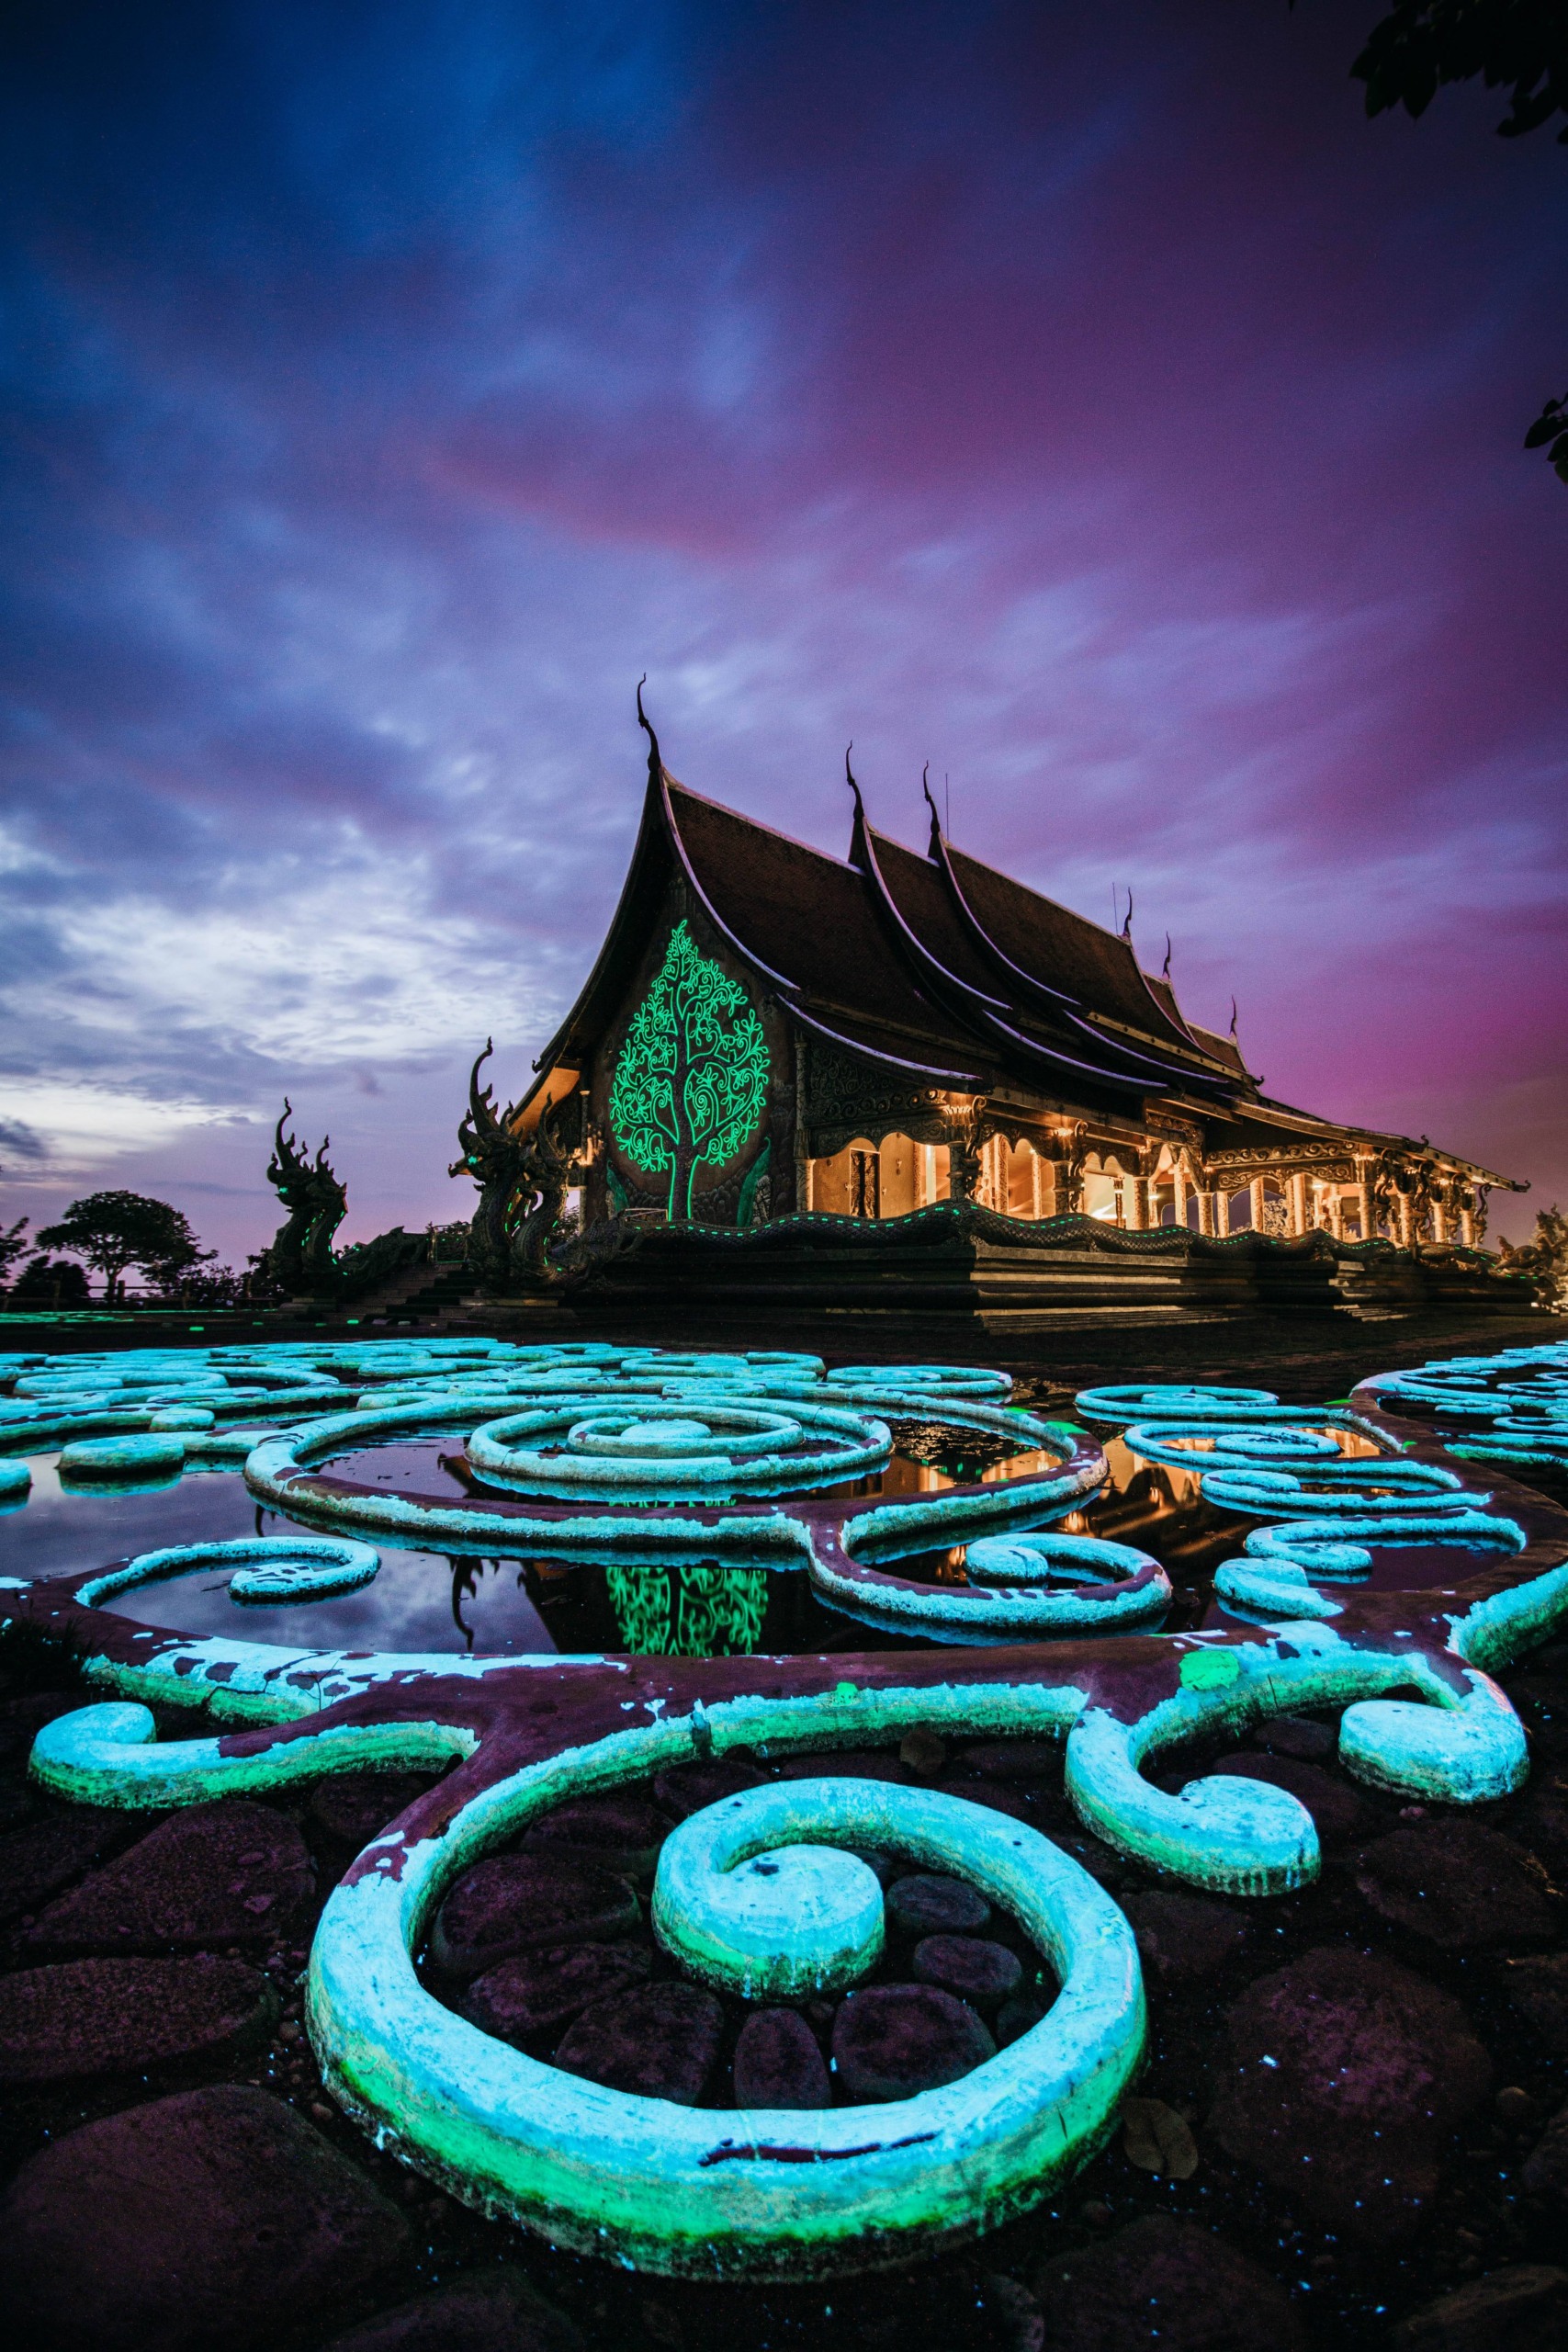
<point x="692" y="1078"/>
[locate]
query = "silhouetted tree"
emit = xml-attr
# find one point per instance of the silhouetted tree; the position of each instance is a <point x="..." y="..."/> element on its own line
<point x="1519" y="45"/>
<point x="45" y="1284"/>
<point x="114" y="1230"/>
<point x="12" y="1246"/>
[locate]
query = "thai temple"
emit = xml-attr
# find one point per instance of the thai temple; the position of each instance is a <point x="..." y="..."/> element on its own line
<point x="771" y="1034"/>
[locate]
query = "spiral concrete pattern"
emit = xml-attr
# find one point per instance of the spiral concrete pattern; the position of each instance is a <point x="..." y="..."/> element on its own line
<point x="706" y="2192"/>
<point x="678" y="1450"/>
<point x="268" y="1569"/>
<point x="764" y="1893"/>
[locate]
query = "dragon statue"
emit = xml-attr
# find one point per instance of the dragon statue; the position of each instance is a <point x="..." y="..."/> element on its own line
<point x="516" y="1239"/>
<point x="301" y="1258"/>
<point x="523" y="1187"/>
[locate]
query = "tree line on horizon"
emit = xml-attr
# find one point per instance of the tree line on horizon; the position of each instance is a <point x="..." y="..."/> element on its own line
<point x="111" y="1233"/>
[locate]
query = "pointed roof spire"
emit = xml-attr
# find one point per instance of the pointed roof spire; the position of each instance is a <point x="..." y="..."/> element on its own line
<point x="849" y="778"/>
<point x="655" y="764"/>
<point x="935" y="846"/>
<point x="1127" y="925"/>
<point x="1232" y="1017"/>
<point x="1167" y="965"/>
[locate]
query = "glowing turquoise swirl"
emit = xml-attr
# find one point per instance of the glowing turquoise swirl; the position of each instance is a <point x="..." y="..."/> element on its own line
<point x="709" y="1443"/>
<point x="267" y="1568"/>
<point x="706" y="2192"/>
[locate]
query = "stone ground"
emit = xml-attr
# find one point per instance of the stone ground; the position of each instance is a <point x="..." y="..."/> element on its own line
<point x="1352" y="2130"/>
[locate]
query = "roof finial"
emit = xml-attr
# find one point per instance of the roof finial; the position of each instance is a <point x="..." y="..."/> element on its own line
<point x="934" y="848"/>
<point x="849" y="778"/>
<point x="1168" y="955"/>
<point x="1232" y="1017"/>
<point x="655" y="764"/>
<point x="1127" y="925"/>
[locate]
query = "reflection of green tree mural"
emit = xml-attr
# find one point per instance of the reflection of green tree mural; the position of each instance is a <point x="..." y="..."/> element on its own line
<point x="691" y="1076"/>
<point x="698" y="1611"/>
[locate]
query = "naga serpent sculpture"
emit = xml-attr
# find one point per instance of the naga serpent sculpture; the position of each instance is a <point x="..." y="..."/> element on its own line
<point x="603" y="1451"/>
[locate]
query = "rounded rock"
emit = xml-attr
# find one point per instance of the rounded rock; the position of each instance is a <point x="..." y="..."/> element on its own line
<point x="1348" y="2075"/>
<point x="354" y="1807"/>
<point x="512" y="1903"/>
<point x="534" y="1991"/>
<point x="620" y="1833"/>
<point x="1184" y="1937"/>
<point x="1461" y="1886"/>
<point x="101" y="2017"/>
<point x="229" y="1872"/>
<point x="977" y="1971"/>
<point x="1166" y="2282"/>
<point x="892" y="2040"/>
<point x="488" y="2310"/>
<point x="778" y="2062"/>
<point x="217" y="2216"/>
<point x="658" y="2042"/>
<point x="924" y="1904"/>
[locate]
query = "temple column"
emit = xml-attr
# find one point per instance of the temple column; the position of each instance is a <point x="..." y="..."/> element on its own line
<point x="1467" y="1228"/>
<point x="1361" y="1194"/>
<point x="1255" y="1189"/>
<point x="1403" y="1220"/>
<point x="1439" y="1221"/>
<point x="1036" y="1185"/>
<point x="1298" y="1200"/>
<point x="1135" y="1192"/>
<point x="1178" y="1180"/>
<point x="1206" y="1219"/>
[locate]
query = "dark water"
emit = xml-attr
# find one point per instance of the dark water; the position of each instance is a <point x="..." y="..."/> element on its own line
<point x="532" y="1601"/>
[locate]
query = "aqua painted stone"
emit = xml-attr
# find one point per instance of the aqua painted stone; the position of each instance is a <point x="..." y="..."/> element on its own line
<point x="755" y="1914"/>
<point x="609" y="2171"/>
<point x="114" y="1458"/>
<point x="268" y="1569"/>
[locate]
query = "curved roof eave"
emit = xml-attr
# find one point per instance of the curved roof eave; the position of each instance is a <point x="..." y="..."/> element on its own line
<point x="971" y="1004"/>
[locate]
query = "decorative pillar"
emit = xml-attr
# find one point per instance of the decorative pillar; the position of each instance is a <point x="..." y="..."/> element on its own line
<point x="1179" y="1183"/>
<point x="1467" y="1228"/>
<point x="1439" y="1219"/>
<point x="1255" y="1189"/>
<point x="1403" y="1220"/>
<point x="1036" y="1185"/>
<point x="1298" y="1203"/>
<point x="1361" y="1194"/>
<point x="1135" y="1192"/>
<point x="1206" y="1212"/>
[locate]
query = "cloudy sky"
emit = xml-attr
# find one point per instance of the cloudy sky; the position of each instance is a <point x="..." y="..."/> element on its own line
<point x="1090" y="401"/>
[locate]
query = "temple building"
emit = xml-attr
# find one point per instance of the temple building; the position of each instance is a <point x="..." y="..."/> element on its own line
<point x="769" y="1033"/>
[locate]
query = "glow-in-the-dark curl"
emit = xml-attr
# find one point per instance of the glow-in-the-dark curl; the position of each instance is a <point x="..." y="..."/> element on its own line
<point x="1329" y="1548"/>
<point x="703" y="2192"/>
<point x="699" y="1447"/>
<point x="267" y="1568"/>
